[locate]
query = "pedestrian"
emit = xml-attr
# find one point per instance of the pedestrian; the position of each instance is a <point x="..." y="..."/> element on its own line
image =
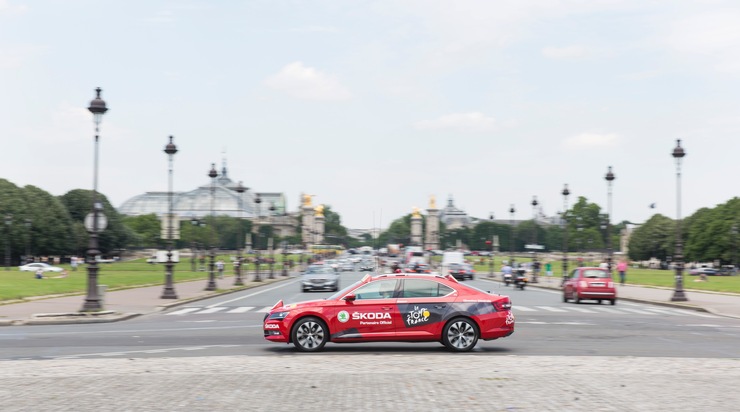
<point x="622" y="269"/>
<point x="39" y="273"/>
<point x="220" y="267"/>
<point x="548" y="270"/>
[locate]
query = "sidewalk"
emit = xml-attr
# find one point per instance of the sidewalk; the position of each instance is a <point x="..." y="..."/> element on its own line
<point x="120" y="304"/>
<point x="723" y="304"/>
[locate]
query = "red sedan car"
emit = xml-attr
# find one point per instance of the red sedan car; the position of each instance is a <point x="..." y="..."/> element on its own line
<point x="394" y="307"/>
<point x="590" y="283"/>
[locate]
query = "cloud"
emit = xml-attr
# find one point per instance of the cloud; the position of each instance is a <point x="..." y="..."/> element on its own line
<point x="568" y="52"/>
<point x="474" y="122"/>
<point x="307" y="83"/>
<point x="592" y="140"/>
<point x="7" y="8"/>
<point x="316" y="29"/>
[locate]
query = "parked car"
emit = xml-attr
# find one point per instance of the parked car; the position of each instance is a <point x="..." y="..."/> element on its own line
<point x="728" y="270"/>
<point x="400" y="308"/>
<point x="704" y="271"/>
<point x="33" y="267"/>
<point x="319" y="277"/>
<point x="590" y="283"/>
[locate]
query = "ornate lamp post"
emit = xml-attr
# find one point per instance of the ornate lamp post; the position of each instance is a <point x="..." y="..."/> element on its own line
<point x="257" y="278"/>
<point x="609" y="179"/>
<point x="238" y="267"/>
<point x="92" y="300"/>
<point x="678" y="294"/>
<point x="565" y="193"/>
<point x="535" y="264"/>
<point x="169" y="287"/>
<point x="285" y="258"/>
<point x="271" y="245"/>
<point x="211" y="263"/>
<point x="8" y="223"/>
<point x="511" y="238"/>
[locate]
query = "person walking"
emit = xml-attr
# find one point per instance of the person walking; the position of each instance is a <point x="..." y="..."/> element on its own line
<point x="622" y="269"/>
<point x="220" y="267"/>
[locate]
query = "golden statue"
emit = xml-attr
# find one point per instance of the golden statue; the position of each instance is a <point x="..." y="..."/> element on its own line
<point x="432" y="202"/>
<point x="415" y="214"/>
<point x="319" y="211"/>
<point x="306" y="200"/>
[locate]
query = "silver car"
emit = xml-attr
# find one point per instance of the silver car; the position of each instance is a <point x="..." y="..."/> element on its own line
<point x="319" y="278"/>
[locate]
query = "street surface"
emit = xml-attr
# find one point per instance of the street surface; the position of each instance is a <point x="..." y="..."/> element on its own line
<point x="231" y="325"/>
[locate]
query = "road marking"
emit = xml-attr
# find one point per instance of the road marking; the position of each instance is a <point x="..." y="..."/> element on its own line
<point x="210" y="310"/>
<point x="549" y="309"/>
<point x="265" y="309"/>
<point x="584" y="310"/>
<point x="282" y="284"/>
<point x="523" y="309"/>
<point x="608" y="310"/>
<point x="641" y="312"/>
<point x="241" y="309"/>
<point x="693" y="313"/>
<point x="183" y="311"/>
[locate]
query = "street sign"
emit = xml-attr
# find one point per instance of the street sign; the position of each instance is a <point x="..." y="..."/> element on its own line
<point x="535" y="247"/>
<point x="90" y="220"/>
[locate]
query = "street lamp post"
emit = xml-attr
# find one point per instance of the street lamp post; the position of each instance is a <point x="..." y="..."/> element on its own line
<point x="211" y="264"/>
<point x="609" y="179"/>
<point x="238" y="267"/>
<point x="511" y="237"/>
<point x="8" y="222"/>
<point x="169" y="288"/>
<point x="257" y="277"/>
<point x="285" y="258"/>
<point x="28" y="223"/>
<point x="565" y="193"/>
<point x="92" y="300"/>
<point x="535" y="264"/>
<point x="678" y="293"/>
<point x="271" y="244"/>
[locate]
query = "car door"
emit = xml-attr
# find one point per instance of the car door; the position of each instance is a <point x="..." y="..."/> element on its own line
<point x="570" y="284"/>
<point x="371" y="315"/>
<point x="422" y="305"/>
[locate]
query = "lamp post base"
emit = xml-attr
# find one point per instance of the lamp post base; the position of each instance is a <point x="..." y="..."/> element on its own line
<point x="168" y="293"/>
<point x="679" y="296"/>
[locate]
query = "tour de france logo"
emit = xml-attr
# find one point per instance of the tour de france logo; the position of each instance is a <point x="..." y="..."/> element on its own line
<point x="417" y="316"/>
<point x="343" y="316"/>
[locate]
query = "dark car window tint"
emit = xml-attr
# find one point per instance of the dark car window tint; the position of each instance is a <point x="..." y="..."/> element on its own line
<point x="420" y="288"/>
<point x="381" y="289"/>
<point x="593" y="273"/>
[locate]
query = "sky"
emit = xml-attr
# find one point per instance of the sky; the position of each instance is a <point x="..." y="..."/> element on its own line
<point x="374" y="106"/>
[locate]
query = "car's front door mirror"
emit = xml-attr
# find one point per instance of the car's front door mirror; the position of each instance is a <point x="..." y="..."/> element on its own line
<point x="350" y="297"/>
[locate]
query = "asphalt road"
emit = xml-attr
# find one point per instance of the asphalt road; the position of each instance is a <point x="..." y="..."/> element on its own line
<point x="231" y="325"/>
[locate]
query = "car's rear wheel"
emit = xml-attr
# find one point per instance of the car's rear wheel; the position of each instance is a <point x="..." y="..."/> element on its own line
<point x="460" y="335"/>
<point x="614" y="302"/>
<point x="576" y="299"/>
<point x="310" y="334"/>
<point x="565" y="298"/>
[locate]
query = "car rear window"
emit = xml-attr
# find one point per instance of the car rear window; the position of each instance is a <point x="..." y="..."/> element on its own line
<point x="594" y="273"/>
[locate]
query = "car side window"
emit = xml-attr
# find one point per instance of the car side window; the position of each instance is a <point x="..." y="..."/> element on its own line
<point x="574" y="274"/>
<point x="420" y="288"/>
<point x="381" y="289"/>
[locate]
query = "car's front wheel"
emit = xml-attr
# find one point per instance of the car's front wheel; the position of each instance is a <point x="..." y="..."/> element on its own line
<point x="460" y="335"/>
<point x="310" y="335"/>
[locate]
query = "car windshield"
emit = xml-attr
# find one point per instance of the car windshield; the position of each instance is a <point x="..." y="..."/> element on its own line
<point x="319" y="270"/>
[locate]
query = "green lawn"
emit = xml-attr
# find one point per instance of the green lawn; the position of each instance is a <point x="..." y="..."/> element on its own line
<point x="15" y="284"/>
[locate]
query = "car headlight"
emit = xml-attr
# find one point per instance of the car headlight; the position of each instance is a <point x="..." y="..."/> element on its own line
<point x="278" y="315"/>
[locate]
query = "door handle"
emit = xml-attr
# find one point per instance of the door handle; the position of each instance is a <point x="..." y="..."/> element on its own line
<point x="439" y="306"/>
<point x="387" y="308"/>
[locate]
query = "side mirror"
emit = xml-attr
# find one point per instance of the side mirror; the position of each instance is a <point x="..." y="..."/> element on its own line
<point x="350" y="297"/>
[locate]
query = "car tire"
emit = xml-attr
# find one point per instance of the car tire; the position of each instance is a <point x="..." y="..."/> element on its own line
<point x="309" y="334"/>
<point x="460" y="335"/>
<point x="614" y="302"/>
<point x="565" y="298"/>
<point x="576" y="299"/>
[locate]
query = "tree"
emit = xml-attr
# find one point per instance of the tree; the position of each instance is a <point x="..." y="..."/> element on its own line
<point x="116" y="236"/>
<point x="147" y="230"/>
<point x="653" y="239"/>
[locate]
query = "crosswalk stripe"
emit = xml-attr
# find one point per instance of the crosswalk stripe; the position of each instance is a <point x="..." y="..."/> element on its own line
<point x="523" y="308"/>
<point x="694" y="313"/>
<point x="549" y="309"/>
<point x="184" y="311"/>
<point x="607" y="310"/>
<point x="641" y="312"/>
<point x="584" y="310"/>
<point x="265" y="309"/>
<point x="210" y="310"/>
<point x="241" y="309"/>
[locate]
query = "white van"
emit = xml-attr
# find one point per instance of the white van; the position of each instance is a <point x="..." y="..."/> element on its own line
<point x="449" y="258"/>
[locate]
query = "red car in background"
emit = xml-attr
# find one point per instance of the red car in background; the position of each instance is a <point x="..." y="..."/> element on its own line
<point x="588" y="283"/>
<point x="394" y="308"/>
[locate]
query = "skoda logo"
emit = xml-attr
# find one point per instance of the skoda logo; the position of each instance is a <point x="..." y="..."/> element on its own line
<point x="343" y="316"/>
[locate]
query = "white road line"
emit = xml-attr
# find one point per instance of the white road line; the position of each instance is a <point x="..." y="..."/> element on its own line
<point x="523" y="309"/>
<point x="608" y="310"/>
<point x="693" y="313"/>
<point x="210" y="310"/>
<point x="661" y="311"/>
<point x="241" y="309"/>
<point x="280" y="285"/>
<point x="550" y="309"/>
<point x="641" y="312"/>
<point x="265" y="309"/>
<point x="584" y="310"/>
<point x="183" y="311"/>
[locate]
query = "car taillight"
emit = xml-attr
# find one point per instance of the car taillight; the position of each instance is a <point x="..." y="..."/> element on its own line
<point x="502" y="305"/>
<point x="582" y="284"/>
<point x="610" y="285"/>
